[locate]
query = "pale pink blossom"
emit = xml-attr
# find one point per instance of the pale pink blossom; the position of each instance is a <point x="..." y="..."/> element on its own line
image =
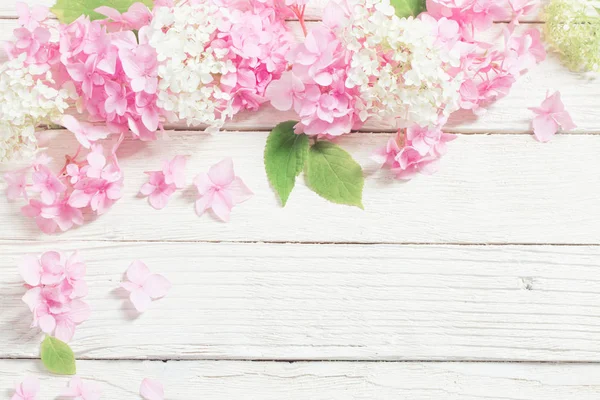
<point x="80" y="390"/>
<point x="551" y="116"/>
<point x="84" y="132"/>
<point x="27" y="390"/>
<point x="140" y="65"/>
<point x="31" y="17"/>
<point x="144" y="286"/>
<point x="174" y="171"/>
<point x="157" y="189"/>
<point x="220" y="190"/>
<point x="60" y="215"/>
<point x="56" y="285"/>
<point x="151" y="389"/>
<point x="47" y="184"/>
<point x="16" y="184"/>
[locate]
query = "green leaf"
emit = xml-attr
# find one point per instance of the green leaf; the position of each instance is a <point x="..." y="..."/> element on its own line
<point x="68" y="11"/>
<point x="333" y="174"/>
<point x="285" y="156"/>
<point x="57" y="356"/>
<point x="407" y="8"/>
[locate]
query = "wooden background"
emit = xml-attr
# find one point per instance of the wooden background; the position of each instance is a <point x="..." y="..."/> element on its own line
<point x="480" y="282"/>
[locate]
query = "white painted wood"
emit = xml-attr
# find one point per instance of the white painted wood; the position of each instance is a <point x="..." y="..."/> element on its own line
<point x="508" y="115"/>
<point x="490" y="189"/>
<point x="218" y="380"/>
<point x="327" y="302"/>
<point x="314" y="9"/>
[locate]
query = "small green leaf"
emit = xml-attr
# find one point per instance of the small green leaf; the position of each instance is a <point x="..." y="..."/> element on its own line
<point x="57" y="356"/>
<point x="407" y="8"/>
<point x="333" y="174"/>
<point x="285" y="156"/>
<point x="68" y="11"/>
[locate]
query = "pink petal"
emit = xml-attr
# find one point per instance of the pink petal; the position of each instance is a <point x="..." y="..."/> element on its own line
<point x="222" y="174"/>
<point x="204" y="203"/>
<point x="544" y="127"/>
<point x="65" y="330"/>
<point x="221" y="206"/>
<point x="130" y="287"/>
<point x="158" y="200"/>
<point x="30" y="386"/>
<point x="147" y="189"/>
<point x="239" y="191"/>
<point x="33" y="297"/>
<point x="47" y="323"/>
<point x="152" y="390"/>
<point x="140" y="300"/>
<point x="203" y="183"/>
<point x="80" y="311"/>
<point x="79" y="199"/>
<point x="30" y="270"/>
<point x="157" y="286"/>
<point x="564" y="120"/>
<point x="109" y="12"/>
<point x="138" y="272"/>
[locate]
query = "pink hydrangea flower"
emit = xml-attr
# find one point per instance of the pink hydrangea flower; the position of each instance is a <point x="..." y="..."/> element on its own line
<point x="16" y="184"/>
<point x="551" y="116"/>
<point x="81" y="390"/>
<point x="151" y="389"/>
<point x="157" y="190"/>
<point x="413" y="150"/>
<point x="220" y="190"/>
<point x="144" y="286"/>
<point x="27" y="390"/>
<point x="56" y="285"/>
<point x="162" y="184"/>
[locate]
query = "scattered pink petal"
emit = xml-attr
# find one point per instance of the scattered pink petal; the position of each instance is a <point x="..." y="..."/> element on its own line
<point x="27" y="390"/>
<point x="174" y="171"/>
<point x="152" y="389"/>
<point x="220" y="190"/>
<point x="157" y="190"/>
<point x="16" y="184"/>
<point x="144" y="286"/>
<point x="551" y="116"/>
<point x="81" y="390"/>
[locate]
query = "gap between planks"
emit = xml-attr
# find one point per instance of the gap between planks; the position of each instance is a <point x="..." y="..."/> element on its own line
<point x="312" y="361"/>
<point x="54" y="239"/>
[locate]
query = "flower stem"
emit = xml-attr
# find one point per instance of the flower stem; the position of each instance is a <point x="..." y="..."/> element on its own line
<point x="299" y="11"/>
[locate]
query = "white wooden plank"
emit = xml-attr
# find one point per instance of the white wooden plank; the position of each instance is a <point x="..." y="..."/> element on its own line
<point x="218" y="380"/>
<point x="328" y="302"/>
<point x="314" y="9"/>
<point x="508" y="115"/>
<point x="490" y="189"/>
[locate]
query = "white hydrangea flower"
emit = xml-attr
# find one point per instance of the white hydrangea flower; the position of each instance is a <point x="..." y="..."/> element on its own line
<point x="26" y="101"/>
<point x="412" y="86"/>
<point x="187" y="68"/>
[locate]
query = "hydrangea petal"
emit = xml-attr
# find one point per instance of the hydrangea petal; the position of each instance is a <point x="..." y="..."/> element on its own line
<point x="151" y="389"/>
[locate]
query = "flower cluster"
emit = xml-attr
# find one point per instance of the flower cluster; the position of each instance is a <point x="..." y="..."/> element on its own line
<point x="56" y="288"/>
<point x="27" y="100"/>
<point x="484" y="70"/>
<point x="115" y="77"/>
<point x="214" y="61"/>
<point x="364" y="62"/>
<point x="573" y="29"/>
<point x="58" y="201"/>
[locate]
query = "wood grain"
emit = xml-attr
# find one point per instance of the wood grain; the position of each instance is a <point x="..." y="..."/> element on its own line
<point x="218" y="380"/>
<point x="314" y="9"/>
<point x="490" y="189"/>
<point x="327" y="302"/>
